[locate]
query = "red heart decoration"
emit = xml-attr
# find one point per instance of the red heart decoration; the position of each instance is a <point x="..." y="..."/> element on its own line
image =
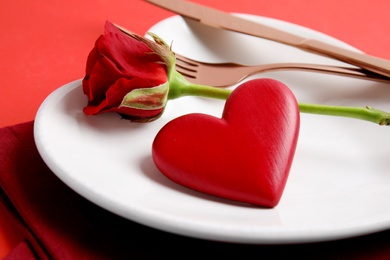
<point x="244" y="156"/>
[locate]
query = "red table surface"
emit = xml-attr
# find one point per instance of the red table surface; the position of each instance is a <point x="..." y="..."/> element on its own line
<point x="44" y="44"/>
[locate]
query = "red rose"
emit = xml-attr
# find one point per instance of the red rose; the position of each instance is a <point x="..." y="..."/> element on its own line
<point x="127" y="74"/>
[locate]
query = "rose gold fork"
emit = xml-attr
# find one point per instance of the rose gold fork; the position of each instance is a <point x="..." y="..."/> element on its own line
<point x="227" y="74"/>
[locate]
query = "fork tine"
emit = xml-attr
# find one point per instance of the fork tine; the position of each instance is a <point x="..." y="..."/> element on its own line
<point x="185" y="72"/>
<point x="187" y="67"/>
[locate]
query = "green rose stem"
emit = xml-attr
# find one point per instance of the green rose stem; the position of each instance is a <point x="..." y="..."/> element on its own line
<point x="179" y="87"/>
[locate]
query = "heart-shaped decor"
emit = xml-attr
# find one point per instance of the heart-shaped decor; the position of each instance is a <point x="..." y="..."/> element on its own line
<point x="244" y="156"/>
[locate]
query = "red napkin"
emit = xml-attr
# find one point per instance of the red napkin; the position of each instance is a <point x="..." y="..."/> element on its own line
<point x="60" y="224"/>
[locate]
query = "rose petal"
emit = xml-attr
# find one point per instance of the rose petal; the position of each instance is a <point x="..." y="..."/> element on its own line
<point x="114" y="97"/>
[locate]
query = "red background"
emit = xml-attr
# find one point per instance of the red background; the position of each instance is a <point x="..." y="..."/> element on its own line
<point x="44" y="44"/>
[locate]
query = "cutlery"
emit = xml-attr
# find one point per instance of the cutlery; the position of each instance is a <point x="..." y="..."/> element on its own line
<point x="227" y="74"/>
<point x="222" y="20"/>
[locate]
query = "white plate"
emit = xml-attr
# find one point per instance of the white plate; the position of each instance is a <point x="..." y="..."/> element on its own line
<point x="339" y="185"/>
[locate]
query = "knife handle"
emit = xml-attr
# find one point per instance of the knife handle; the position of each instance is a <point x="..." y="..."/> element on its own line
<point x="223" y="20"/>
<point x="365" y="61"/>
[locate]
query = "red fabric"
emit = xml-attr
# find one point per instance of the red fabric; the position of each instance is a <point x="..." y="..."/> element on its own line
<point x="21" y="252"/>
<point x="60" y="224"/>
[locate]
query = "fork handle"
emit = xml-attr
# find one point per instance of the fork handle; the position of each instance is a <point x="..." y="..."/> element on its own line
<point x="320" y="68"/>
<point x="365" y="61"/>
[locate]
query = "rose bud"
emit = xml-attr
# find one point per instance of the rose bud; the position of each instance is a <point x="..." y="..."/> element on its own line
<point x="134" y="76"/>
<point x="127" y="74"/>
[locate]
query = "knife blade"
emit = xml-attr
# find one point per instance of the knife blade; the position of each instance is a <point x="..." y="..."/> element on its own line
<point x="223" y="20"/>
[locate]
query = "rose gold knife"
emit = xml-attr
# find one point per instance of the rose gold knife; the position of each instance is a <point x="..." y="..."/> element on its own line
<point x="222" y="20"/>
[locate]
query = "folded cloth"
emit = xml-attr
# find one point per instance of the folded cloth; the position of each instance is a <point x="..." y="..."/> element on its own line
<point x="60" y="224"/>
